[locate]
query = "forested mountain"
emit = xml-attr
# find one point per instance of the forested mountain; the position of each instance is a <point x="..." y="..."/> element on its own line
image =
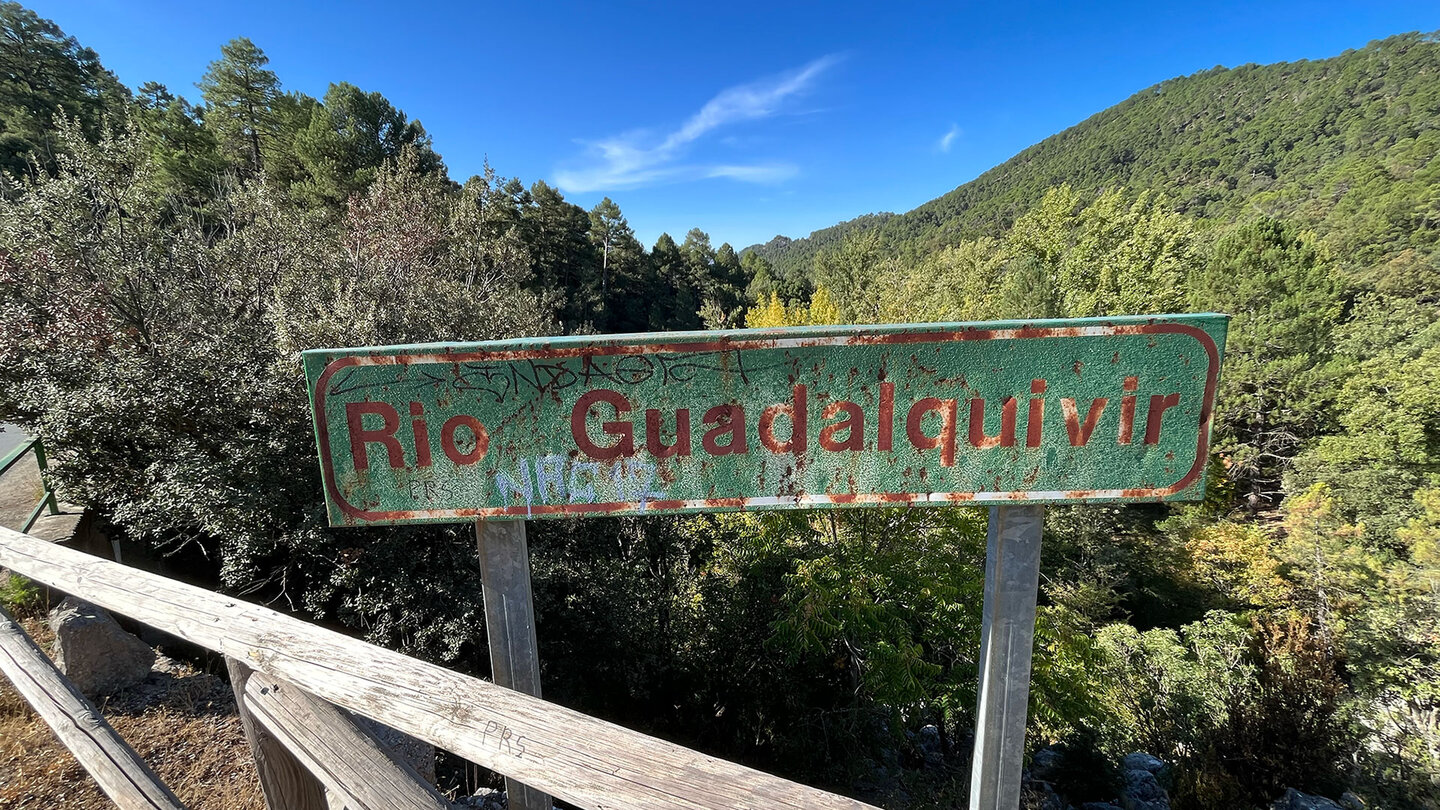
<point x="1304" y="200"/>
<point x="1341" y="145"/>
<point x="163" y="261"/>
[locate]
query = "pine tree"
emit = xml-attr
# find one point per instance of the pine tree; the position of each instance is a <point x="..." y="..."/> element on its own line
<point x="185" y="155"/>
<point x="626" y="280"/>
<point x="45" y="73"/>
<point x="564" y="259"/>
<point x="241" y="94"/>
<point x="348" y="138"/>
<point x="607" y="229"/>
<point x="675" y="305"/>
<point x="1286" y="298"/>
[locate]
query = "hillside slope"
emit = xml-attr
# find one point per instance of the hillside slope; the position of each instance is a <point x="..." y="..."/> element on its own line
<point x="1344" y="145"/>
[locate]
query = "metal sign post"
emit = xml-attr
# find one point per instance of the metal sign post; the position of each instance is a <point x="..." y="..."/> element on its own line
<point x="510" y="625"/>
<point x="1012" y="576"/>
<point x="1012" y="415"/>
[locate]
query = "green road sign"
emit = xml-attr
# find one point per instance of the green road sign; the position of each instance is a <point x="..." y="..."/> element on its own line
<point x="1041" y="411"/>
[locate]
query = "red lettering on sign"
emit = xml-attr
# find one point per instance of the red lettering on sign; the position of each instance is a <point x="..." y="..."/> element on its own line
<point x="421" y="434"/>
<point x="853" y="424"/>
<point x="657" y="447"/>
<point x="1035" y="417"/>
<point x="477" y="432"/>
<point x="887" y="416"/>
<point x="1127" y="410"/>
<point x="624" y="447"/>
<point x="1158" y="406"/>
<point x="360" y="436"/>
<point x="945" y="440"/>
<point x="1080" y="433"/>
<point x="729" y="420"/>
<point x="797" y="412"/>
<point x="1006" y="436"/>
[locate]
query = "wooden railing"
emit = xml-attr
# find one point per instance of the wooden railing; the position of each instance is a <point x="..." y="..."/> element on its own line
<point x="288" y="673"/>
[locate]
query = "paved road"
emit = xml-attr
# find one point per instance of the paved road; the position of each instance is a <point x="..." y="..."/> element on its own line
<point x="20" y="490"/>
<point x="9" y="437"/>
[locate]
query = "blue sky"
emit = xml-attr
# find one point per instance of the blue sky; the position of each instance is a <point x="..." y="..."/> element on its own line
<point x="745" y="119"/>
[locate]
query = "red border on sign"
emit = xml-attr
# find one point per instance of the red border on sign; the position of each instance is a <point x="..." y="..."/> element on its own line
<point x="899" y="498"/>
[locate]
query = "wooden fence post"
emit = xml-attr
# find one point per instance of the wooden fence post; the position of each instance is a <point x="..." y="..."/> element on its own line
<point x="510" y="625"/>
<point x="286" y="783"/>
<point x="347" y="759"/>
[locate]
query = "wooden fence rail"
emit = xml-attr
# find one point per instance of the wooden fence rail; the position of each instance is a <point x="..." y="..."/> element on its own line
<point x="572" y="756"/>
<point x="116" y="767"/>
<point x="343" y="757"/>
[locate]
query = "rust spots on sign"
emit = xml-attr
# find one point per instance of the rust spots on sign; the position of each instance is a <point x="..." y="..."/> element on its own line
<point x="769" y="419"/>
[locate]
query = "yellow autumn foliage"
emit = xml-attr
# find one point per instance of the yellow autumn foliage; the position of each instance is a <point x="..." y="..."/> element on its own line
<point x="820" y="311"/>
<point x="1239" y="561"/>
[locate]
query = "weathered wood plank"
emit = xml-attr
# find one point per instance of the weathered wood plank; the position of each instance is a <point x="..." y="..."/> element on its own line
<point x="284" y="780"/>
<point x="115" y="766"/>
<point x="349" y="761"/>
<point x="510" y="626"/>
<point x="581" y="759"/>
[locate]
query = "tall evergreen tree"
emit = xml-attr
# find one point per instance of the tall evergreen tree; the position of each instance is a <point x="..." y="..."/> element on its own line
<point x="186" y="157"/>
<point x="563" y="257"/>
<point x="1286" y="299"/>
<point x="348" y="138"/>
<point x="45" y="73"/>
<point x="607" y="228"/>
<point x="676" y="305"/>
<point x="485" y="233"/>
<point x="725" y="296"/>
<point x="241" y="93"/>
<point x="624" y="280"/>
<point x="291" y="114"/>
<point x="759" y="277"/>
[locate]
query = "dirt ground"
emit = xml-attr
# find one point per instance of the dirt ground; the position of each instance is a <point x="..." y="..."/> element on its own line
<point x="181" y="722"/>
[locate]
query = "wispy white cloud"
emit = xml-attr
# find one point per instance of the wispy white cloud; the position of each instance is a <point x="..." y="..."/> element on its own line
<point x="641" y="157"/>
<point x="948" y="138"/>
<point x="756" y="173"/>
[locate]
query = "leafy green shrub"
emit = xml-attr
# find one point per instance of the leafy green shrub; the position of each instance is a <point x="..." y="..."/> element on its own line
<point x="156" y="352"/>
<point x="20" y="597"/>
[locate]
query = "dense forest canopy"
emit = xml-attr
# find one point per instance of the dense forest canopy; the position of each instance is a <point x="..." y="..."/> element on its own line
<point x="163" y="260"/>
<point x="1342" y="146"/>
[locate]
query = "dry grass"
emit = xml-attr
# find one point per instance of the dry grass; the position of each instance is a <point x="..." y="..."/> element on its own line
<point x="180" y="721"/>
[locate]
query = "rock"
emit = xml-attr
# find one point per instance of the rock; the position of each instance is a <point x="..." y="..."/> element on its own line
<point x="1143" y="791"/>
<point x="876" y="781"/>
<point x="1049" y="799"/>
<point x="1141" y="761"/>
<point x="94" y="652"/>
<point x="1099" y="806"/>
<point x="930" y="747"/>
<point x="1350" y="801"/>
<point x="1295" y="800"/>
<point x="494" y="800"/>
<point x="1046" y="763"/>
<point x="418" y="755"/>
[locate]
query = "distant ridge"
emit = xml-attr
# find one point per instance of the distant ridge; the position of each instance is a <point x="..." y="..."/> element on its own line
<point x="1342" y="145"/>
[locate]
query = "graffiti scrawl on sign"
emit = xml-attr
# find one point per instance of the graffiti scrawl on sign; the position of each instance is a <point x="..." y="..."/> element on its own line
<point x="1043" y="411"/>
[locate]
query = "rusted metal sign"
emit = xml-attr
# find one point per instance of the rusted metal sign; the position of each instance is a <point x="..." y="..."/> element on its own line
<point x="1043" y="411"/>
